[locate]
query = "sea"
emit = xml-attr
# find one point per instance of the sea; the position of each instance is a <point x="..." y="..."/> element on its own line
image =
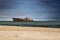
<point x="50" y="24"/>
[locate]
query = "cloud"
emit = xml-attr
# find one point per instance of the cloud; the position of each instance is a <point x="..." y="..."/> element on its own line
<point x="8" y="4"/>
<point x="34" y="8"/>
<point x="51" y="3"/>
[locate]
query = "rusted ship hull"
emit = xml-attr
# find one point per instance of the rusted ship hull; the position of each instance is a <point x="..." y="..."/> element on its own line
<point x="21" y="20"/>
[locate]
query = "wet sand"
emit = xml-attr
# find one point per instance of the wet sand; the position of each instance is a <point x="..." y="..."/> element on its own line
<point x="29" y="33"/>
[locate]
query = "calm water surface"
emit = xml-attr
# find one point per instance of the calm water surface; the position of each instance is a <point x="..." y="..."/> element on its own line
<point x="52" y="24"/>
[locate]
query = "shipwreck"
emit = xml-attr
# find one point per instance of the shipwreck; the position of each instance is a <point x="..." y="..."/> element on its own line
<point x="26" y="19"/>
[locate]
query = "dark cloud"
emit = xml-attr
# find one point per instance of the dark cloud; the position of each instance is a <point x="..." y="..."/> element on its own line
<point x="51" y="3"/>
<point x="4" y="4"/>
<point x="54" y="7"/>
<point x="8" y="4"/>
<point x="54" y="4"/>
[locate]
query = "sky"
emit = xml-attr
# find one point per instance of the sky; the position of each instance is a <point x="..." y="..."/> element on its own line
<point x="38" y="10"/>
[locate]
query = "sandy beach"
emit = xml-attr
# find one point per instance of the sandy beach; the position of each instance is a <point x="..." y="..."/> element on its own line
<point x="29" y="33"/>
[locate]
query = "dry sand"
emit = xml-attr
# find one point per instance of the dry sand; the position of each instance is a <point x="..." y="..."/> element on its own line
<point x="28" y="33"/>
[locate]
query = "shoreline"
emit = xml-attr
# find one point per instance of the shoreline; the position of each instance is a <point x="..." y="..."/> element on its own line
<point x="28" y="28"/>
